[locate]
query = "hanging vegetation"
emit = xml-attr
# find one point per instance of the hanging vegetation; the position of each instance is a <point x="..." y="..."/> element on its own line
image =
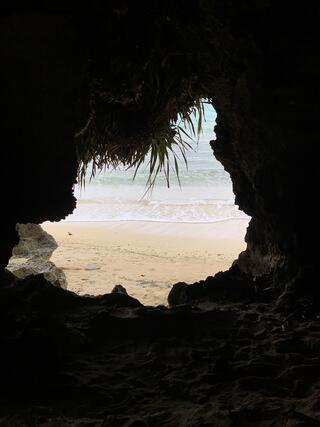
<point x="101" y="144"/>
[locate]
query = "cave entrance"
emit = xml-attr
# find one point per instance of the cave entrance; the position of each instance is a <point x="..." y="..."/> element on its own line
<point x="146" y="244"/>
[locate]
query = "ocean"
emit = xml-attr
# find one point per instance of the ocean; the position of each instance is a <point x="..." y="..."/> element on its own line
<point x="205" y="194"/>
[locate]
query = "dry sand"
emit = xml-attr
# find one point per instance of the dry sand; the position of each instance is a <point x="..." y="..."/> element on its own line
<point x="147" y="258"/>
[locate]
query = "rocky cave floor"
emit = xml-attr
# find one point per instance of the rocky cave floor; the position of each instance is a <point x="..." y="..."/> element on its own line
<point x="67" y="360"/>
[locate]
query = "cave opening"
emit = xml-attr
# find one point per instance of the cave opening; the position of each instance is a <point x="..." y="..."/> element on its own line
<point x="121" y="234"/>
<point x="239" y="348"/>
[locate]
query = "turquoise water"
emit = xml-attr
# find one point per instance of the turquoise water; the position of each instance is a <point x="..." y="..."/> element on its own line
<point x="205" y="194"/>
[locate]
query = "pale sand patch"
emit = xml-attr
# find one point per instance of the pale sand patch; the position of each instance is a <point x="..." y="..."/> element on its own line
<point x="147" y="258"/>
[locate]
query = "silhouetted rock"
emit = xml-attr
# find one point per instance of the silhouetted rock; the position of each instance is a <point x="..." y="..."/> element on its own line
<point x="119" y="289"/>
<point x="230" y="285"/>
<point x="119" y="299"/>
<point x="96" y="354"/>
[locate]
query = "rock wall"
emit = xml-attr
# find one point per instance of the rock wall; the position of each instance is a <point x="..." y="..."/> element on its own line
<point x="41" y="79"/>
<point x="267" y="131"/>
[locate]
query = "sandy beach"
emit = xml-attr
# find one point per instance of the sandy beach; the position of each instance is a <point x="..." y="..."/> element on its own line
<point x="147" y="258"/>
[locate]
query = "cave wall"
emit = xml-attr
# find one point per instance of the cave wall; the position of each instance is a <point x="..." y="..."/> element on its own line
<point x="42" y="76"/>
<point x="257" y="64"/>
<point x="267" y="131"/>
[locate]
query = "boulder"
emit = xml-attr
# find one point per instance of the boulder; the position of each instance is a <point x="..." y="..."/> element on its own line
<point x="31" y="256"/>
<point x="119" y="289"/>
<point x="34" y="242"/>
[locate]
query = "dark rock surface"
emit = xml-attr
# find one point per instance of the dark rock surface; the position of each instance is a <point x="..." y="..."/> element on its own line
<point x="42" y="77"/>
<point x="119" y="289"/>
<point x="70" y="360"/>
<point x="229" y="285"/>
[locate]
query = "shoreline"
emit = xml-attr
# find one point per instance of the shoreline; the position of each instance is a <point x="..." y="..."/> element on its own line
<point x="146" y="257"/>
<point x="153" y="221"/>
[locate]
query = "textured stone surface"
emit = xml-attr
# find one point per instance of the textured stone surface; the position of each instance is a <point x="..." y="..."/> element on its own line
<point x="23" y="267"/>
<point x="109" y="361"/>
<point x="34" y="242"/>
<point x="32" y="254"/>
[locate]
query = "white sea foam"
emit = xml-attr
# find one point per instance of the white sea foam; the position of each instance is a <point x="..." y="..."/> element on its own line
<point x="205" y="194"/>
